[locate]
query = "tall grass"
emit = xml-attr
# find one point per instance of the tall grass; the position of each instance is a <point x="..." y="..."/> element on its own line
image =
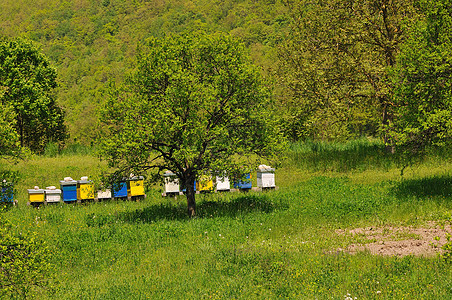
<point x="54" y="150"/>
<point x="356" y="155"/>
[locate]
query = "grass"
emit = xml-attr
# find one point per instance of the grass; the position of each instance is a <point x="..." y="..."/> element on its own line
<point x="271" y="245"/>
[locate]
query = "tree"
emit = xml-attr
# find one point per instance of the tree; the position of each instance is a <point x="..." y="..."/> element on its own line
<point x="194" y="106"/>
<point x="27" y="82"/>
<point x="9" y="140"/>
<point x="423" y="80"/>
<point x="335" y="63"/>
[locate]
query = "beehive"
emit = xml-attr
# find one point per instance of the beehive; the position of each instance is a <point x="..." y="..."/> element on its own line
<point x="104" y="195"/>
<point x="136" y="186"/>
<point x="7" y="192"/>
<point x="52" y="194"/>
<point x="85" y="189"/>
<point x="244" y="184"/>
<point x="68" y="189"/>
<point x="120" y="189"/>
<point x="265" y="177"/>
<point x="36" y="195"/>
<point x="223" y="183"/>
<point x="204" y="184"/>
<point x="171" y="183"/>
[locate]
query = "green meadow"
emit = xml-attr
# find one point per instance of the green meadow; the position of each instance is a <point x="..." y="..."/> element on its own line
<point x="280" y="244"/>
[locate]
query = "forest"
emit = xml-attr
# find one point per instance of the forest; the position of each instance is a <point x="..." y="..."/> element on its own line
<point x="338" y="69"/>
<point x="91" y="43"/>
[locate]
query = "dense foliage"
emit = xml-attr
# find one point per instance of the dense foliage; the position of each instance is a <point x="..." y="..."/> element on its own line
<point x="9" y="139"/>
<point x="27" y="84"/>
<point x="24" y="263"/>
<point x="423" y="80"/>
<point x="196" y="105"/>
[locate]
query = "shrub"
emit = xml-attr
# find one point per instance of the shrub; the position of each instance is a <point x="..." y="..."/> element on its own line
<point x="24" y="264"/>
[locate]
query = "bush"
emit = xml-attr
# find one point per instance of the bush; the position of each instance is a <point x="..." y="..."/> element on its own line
<point x="24" y="264"/>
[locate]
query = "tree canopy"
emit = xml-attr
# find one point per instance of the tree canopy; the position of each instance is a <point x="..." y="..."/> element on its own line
<point x="194" y="106"/>
<point x="27" y="83"/>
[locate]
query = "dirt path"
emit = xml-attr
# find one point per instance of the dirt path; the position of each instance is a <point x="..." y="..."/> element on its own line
<point x="398" y="241"/>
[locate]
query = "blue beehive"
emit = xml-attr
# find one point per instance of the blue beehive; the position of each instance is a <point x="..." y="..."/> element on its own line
<point x="7" y="192"/>
<point x="244" y="184"/>
<point x="120" y="190"/>
<point x="69" y="189"/>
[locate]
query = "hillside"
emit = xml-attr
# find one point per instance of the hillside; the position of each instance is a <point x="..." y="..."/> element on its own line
<point x="93" y="42"/>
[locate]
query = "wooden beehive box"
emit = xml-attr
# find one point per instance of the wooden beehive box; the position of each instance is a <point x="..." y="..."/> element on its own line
<point x="68" y="188"/>
<point x="265" y="177"/>
<point x="52" y="194"/>
<point x="36" y="195"/>
<point x="85" y="189"/>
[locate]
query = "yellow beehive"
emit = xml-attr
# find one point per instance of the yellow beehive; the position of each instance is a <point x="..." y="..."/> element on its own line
<point x="204" y="184"/>
<point x="136" y="186"/>
<point x="85" y="189"/>
<point x="36" y="195"/>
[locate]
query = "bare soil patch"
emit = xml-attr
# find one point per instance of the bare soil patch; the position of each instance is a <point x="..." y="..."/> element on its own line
<point x="398" y="241"/>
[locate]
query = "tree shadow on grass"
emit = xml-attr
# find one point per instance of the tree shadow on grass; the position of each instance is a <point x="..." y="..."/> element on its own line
<point x="437" y="186"/>
<point x="206" y="209"/>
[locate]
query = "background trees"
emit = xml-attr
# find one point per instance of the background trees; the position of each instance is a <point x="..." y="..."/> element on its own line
<point x="335" y="63"/>
<point x="93" y="42"/>
<point x="27" y="83"/>
<point x="194" y="106"/>
<point x="423" y="80"/>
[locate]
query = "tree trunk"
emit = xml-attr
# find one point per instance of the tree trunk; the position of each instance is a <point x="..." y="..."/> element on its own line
<point x="190" y="194"/>
<point x="386" y="135"/>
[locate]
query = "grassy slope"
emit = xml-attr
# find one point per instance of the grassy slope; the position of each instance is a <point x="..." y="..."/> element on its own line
<point x="256" y="245"/>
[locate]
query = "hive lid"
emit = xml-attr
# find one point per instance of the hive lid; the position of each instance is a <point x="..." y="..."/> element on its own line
<point x="266" y="169"/>
<point x="52" y="189"/>
<point x="84" y="179"/>
<point x="168" y="174"/>
<point x="68" y="181"/>
<point x="35" y="190"/>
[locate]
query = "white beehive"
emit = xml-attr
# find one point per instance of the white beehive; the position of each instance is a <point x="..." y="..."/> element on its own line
<point x="265" y="177"/>
<point x="104" y="195"/>
<point x="53" y="195"/>
<point x="171" y="182"/>
<point x="223" y="183"/>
